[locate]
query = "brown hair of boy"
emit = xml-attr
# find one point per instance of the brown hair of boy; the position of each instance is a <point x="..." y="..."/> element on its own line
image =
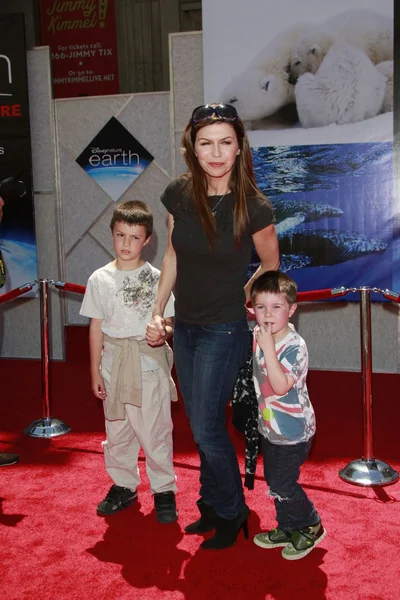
<point x="274" y="282"/>
<point x="133" y="212"/>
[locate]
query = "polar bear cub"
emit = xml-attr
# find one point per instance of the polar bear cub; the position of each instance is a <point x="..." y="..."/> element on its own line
<point x="346" y="88"/>
<point x="367" y="30"/>
<point x="263" y="87"/>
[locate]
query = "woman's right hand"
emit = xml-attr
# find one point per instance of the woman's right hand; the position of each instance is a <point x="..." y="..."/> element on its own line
<point x="156" y="331"/>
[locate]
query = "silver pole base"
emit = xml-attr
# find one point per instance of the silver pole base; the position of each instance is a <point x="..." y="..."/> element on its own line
<point x="47" y="428"/>
<point x="368" y="472"/>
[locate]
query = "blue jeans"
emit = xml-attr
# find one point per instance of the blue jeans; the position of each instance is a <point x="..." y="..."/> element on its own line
<point x="207" y="360"/>
<point x="294" y="509"/>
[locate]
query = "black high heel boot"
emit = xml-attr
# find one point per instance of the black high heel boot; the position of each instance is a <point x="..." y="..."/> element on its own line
<point x="227" y="531"/>
<point x="207" y="519"/>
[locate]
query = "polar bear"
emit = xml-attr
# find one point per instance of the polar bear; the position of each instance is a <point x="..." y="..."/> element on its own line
<point x="263" y="87"/>
<point x="364" y="28"/>
<point x="386" y="68"/>
<point x="346" y="88"/>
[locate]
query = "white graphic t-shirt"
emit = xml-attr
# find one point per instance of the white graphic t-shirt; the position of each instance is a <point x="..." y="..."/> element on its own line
<point x="124" y="301"/>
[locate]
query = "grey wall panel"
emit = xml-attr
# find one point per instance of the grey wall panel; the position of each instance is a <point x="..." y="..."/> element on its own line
<point x="43" y="164"/>
<point x="84" y="259"/>
<point x="186" y="59"/>
<point x="385" y="320"/>
<point x="332" y="332"/>
<point x="186" y="56"/>
<point x="180" y="165"/>
<point x="82" y="200"/>
<point x="20" y="328"/>
<point x="48" y="265"/>
<point x="147" y="118"/>
<point x="80" y="119"/>
<point x="42" y="119"/>
<point x="101" y="232"/>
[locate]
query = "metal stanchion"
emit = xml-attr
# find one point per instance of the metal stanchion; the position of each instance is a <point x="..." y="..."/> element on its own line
<point x="368" y="470"/>
<point x="47" y="426"/>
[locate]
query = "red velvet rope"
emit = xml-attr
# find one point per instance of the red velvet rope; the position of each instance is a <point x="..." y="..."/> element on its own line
<point x="301" y="296"/>
<point x="309" y="296"/>
<point x="70" y="287"/>
<point x="391" y="295"/>
<point x="319" y="295"/>
<point x="15" y="293"/>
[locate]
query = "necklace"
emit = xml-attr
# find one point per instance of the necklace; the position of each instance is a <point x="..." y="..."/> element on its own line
<point x="214" y="210"/>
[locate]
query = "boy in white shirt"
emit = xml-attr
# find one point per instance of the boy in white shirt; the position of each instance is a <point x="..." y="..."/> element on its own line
<point x="132" y="378"/>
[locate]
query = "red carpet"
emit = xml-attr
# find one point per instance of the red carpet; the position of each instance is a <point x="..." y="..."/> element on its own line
<point x="53" y="546"/>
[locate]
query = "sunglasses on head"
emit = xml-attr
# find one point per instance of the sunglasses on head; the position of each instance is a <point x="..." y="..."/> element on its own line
<point x="225" y="112"/>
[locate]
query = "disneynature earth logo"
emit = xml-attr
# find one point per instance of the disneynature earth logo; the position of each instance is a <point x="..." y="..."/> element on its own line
<point x="114" y="159"/>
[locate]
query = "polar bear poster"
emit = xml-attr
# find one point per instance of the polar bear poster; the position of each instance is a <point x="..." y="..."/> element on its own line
<point x="256" y="52"/>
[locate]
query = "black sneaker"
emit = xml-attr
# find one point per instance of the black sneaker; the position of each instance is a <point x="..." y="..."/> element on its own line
<point x="8" y="459"/>
<point x="116" y="499"/>
<point x="165" y="505"/>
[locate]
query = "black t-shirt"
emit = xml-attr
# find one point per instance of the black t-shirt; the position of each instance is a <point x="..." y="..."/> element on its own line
<point x="210" y="281"/>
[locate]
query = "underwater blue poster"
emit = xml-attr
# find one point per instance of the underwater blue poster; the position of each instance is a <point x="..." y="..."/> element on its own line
<point x="114" y="159"/>
<point x="334" y="213"/>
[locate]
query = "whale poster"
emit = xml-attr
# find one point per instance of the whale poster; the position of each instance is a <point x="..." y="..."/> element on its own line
<point x="334" y="213"/>
<point x="313" y="83"/>
<point x="18" y="262"/>
<point x="114" y="159"/>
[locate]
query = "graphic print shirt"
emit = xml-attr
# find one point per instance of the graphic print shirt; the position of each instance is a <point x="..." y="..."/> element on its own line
<point x="287" y="419"/>
<point x="124" y="301"/>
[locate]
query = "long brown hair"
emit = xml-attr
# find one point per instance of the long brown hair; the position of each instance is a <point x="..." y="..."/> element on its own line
<point x="242" y="181"/>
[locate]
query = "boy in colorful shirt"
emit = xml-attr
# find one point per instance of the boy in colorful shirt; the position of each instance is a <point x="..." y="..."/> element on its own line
<point x="132" y="377"/>
<point x="286" y="417"/>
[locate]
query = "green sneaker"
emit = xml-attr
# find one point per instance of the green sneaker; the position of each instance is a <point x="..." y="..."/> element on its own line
<point x="302" y="541"/>
<point x="275" y="538"/>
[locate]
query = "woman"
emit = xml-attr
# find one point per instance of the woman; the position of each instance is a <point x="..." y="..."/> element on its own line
<point x="216" y="214"/>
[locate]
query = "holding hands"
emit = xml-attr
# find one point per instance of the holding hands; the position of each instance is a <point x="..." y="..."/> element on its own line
<point x="156" y="331"/>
